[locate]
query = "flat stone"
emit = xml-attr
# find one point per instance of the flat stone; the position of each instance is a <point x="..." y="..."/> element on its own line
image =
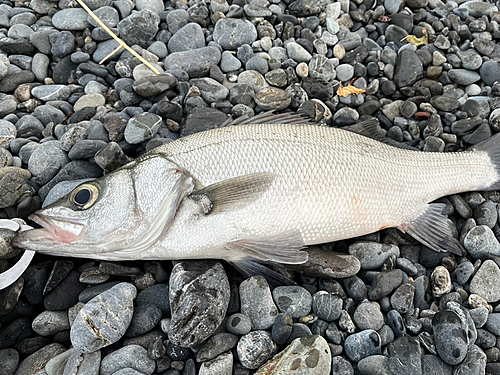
<point x="363" y="344"/>
<point x="257" y="302"/>
<point x="71" y="19"/>
<point x="104" y="319"/>
<point x="196" y="62"/>
<point x="372" y="255"/>
<point x="37" y="361"/>
<point x="255" y="348"/>
<point x="486" y="280"/>
<point x="188" y="37"/>
<point x="142" y="127"/>
<point x="130" y="356"/>
<point x="232" y="33"/>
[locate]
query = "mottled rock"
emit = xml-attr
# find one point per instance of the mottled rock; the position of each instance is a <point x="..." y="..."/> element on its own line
<point x="257" y="302"/>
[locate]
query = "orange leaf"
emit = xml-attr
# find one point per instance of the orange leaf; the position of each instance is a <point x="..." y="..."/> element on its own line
<point x="348" y="90"/>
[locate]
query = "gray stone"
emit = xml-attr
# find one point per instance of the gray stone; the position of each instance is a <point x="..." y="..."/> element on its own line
<point x="211" y="90"/>
<point x="89" y="101"/>
<point x="257" y="302"/>
<point x="294" y="300"/>
<point x="188" y="37"/>
<point x="104" y="319"/>
<point x="154" y="85"/>
<point x="155" y="6"/>
<point x="8" y="131"/>
<point x="108" y="15"/>
<point x="486" y="280"/>
<point x="363" y="344"/>
<point x="272" y="98"/>
<point x="232" y="33"/>
<point x="37" y="361"/>
<point x="62" y="43"/>
<point x="196" y="62"/>
<point x="239" y="324"/>
<point x="297" y="53"/>
<point x="83" y="363"/>
<point x="409" y="69"/>
<point x="463" y="77"/>
<point x="450" y="337"/>
<point x="221" y="365"/>
<point x="404" y="356"/>
<point x="51" y="92"/>
<point x="215" y="345"/>
<point x="9" y="359"/>
<point x="481" y="242"/>
<point x="327" y="306"/>
<point x="199" y="297"/>
<point x="255" y="348"/>
<point x="129" y="356"/>
<point x="490" y="72"/>
<point x="478" y="9"/>
<point x="372" y="255"/>
<point x="139" y="28"/>
<point x="142" y="127"/>
<point x="48" y="323"/>
<point x="307" y="355"/>
<point x="57" y="364"/>
<point x="71" y="19"/>
<point x="368" y="316"/>
<point x="46" y="160"/>
<point x="229" y="63"/>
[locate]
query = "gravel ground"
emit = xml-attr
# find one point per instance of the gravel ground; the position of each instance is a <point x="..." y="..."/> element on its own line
<point x="381" y="304"/>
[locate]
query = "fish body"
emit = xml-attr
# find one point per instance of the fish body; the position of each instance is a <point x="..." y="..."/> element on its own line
<point x="261" y="192"/>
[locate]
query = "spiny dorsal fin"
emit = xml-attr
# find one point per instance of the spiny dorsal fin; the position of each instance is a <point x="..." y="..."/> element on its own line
<point x="234" y="193"/>
<point x="270" y="117"/>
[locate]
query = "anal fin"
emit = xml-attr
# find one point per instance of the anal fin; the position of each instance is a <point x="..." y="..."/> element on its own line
<point x="432" y="230"/>
<point x="248" y="268"/>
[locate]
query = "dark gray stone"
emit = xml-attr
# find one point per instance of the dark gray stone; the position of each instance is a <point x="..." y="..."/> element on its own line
<point x="232" y="33"/>
<point x="131" y="356"/>
<point x="188" y="37"/>
<point x="196" y="62"/>
<point x="139" y="28"/>
<point x="363" y="344"/>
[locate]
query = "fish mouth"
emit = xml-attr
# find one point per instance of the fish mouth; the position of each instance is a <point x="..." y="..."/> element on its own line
<point x="53" y="230"/>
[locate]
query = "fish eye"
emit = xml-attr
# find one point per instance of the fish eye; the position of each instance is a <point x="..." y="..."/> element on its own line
<point x="84" y="196"/>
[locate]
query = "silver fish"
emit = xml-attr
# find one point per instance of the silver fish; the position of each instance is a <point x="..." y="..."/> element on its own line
<point x="261" y="192"/>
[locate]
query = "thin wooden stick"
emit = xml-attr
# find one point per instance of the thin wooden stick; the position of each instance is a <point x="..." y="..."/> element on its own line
<point x="121" y="42"/>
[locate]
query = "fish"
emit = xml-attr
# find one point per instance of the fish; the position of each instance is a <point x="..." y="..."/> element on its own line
<point x="259" y="192"/>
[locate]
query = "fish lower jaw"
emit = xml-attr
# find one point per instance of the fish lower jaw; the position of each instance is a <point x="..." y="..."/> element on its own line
<point x="53" y="229"/>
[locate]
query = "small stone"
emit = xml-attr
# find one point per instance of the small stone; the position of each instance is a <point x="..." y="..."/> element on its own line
<point x="154" y="85"/>
<point x="190" y="282"/>
<point x="129" y="356"/>
<point x="384" y="283"/>
<point x="89" y="101"/>
<point x="142" y="127"/>
<point x="216" y="345"/>
<point x="463" y="77"/>
<point x="272" y="98"/>
<point x="104" y="319"/>
<point x="83" y="363"/>
<point x="490" y="72"/>
<point x="195" y="62"/>
<point x="139" y="28"/>
<point x="145" y="318"/>
<point x="232" y="33"/>
<point x="408" y="68"/>
<point x="257" y="302"/>
<point x="404" y="356"/>
<point x="65" y="294"/>
<point x="368" y="316"/>
<point x="474" y="362"/>
<point x="111" y="157"/>
<point x="229" y="63"/>
<point x="372" y="255"/>
<point x="71" y="19"/>
<point x="255" y="348"/>
<point x="327" y="306"/>
<point x="363" y="344"/>
<point x="9" y="359"/>
<point x="297" y="53"/>
<point x="282" y="328"/>
<point x="239" y="324"/>
<point x="211" y="90"/>
<point x="481" y="242"/>
<point x="444" y="103"/>
<point x="441" y="281"/>
<point x="48" y="323"/>
<point x="485" y="281"/>
<point x="294" y="300"/>
<point x="221" y="365"/>
<point x="155" y="6"/>
<point x="188" y="37"/>
<point x="307" y="355"/>
<point x="450" y="337"/>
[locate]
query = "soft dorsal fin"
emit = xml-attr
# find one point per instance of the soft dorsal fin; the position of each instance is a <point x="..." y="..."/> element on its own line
<point x="270" y="117"/>
<point x="234" y="193"/>
<point x="370" y="128"/>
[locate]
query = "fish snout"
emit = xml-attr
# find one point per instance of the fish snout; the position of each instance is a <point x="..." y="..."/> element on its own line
<point x="57" y="230"/>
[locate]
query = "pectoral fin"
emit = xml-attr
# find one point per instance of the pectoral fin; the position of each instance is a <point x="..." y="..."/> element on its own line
<point x="283" y="248"/>
<point x="234" y="193"/>
<point x="431" y="229"/>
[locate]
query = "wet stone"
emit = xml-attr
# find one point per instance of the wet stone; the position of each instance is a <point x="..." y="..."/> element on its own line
<point x="104" y="319"/>
<point x="368" y="316"/>
<point x="130" y="356"/>
<point x="309" y="355"/>
<point x="216" y="345"/>
<point x="255" y="348"/>
<point x="199" y="290"/>
<point x="486" y="280"/>
<point x="363" y="344"/>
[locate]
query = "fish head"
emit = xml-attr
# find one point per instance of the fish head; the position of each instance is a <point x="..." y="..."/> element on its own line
<point x="108" y="218"/>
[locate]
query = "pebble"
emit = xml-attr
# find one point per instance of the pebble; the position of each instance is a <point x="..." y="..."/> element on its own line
<point x="257" y="302"/>
<point x="450" y="337"/>
<point x="189" y="282"/>
<point x="368" y="316"/>
<point x="216" y="345"/>
<point x="363" y="344"/>
<point x="485" y="281"/>
<point x="46" y="160"/>
<point x="282" y="328"/>
<point x="384" y="283"/>
<point x="372" y="255"/>
<point x="9" y="360"/>
<point x="441" y="281"/>
<point x="232" y="33"/>
<point x="196" y="62"/>
<point x="310" y="355"/>
<point x="83" y="363"/>
<point x="188" y="37"/>
<point x="255" y="348"/>
<point x="129" y="356"/>
<point x="48" y="323"/>
<point x="37" y="361"/>
<point x="294" y="300"/>
<point x="327" y="306"/>
<point x="142" y="127"/>
<point x="481" y="242"/>
<point x="104" y="319"/>
<point x="221" y="365"/>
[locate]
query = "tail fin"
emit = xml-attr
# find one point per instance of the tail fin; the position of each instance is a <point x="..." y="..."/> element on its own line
<point x="492" y="147"/>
